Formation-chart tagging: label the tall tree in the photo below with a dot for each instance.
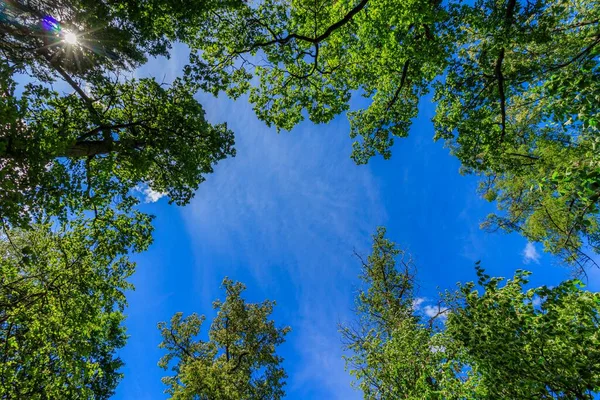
(516, 86)
(61, 303)
(507, 342)
(394, 352)
(110, 134)
(238, 361)
(79, 136)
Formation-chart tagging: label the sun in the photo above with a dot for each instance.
(70, 38)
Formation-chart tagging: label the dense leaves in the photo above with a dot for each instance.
(394, 353)
(519, 105)
(507, 342)
(313, 55)
(238, 360)
(60, 152)
(111, 35)
(539, 343)
(61, 304)
(515, 82)
(73, 152)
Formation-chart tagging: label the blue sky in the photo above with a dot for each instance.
(284, 217)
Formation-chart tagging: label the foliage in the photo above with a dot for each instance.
(61, 304)
(315, 54)
(393, 352)
(519, 105)
(507, 342)
(70, 166)
(238, 360)
(527, 350)
(60, 153)
(515, 82)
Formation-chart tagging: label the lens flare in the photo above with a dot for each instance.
(70, 37)
(50, 24)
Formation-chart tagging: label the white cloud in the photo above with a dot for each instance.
(429, 310)
(433, 311)
(416, 304)
(530, 254)
(152, 196)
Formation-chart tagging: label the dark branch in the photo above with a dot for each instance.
(101, 128)
(315, 40)
(239, 362)
(500, 79)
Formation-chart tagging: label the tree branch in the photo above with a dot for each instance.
(315, 40)
(239, 362)
(500, 79)
(101, 128)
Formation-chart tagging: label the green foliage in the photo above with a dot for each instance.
(113, 35)
(238, 360)
(61, 304)
(505, 343)
(519, 106)
(524, 350)
(313, 55)
(71, 164)
(394, 353)
(62, 160)
(515, 82)
(60, 153)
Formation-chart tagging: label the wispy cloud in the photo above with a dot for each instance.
(289, 210)
(319, 353)
(530, 254)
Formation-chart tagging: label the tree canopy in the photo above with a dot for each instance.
(80, 135)
(238, 361)
(536, 343)
(515, 85)
(507, 342)
(393, 352)
(62, 152)
(61, 306)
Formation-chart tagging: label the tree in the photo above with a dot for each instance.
(519, 106)
(506, 342)
(394, 353)
(60, 153)
(515, 82)
(238, 360)
(525, 350)
(61, 303)
(314, 55)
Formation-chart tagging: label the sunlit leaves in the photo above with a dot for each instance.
(536, 343)
(506, 341)
(61, 303)
(238, 360)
